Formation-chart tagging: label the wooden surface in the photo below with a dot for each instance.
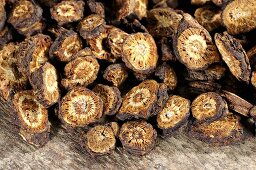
(177, 152)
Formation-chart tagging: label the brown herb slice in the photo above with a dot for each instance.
(96, 7)
(140, 52)
(111, 98)
(68, 11)
(234, 56)
(5, 36)
(166, 50)
(137, 137)
(2, 15)
(80, 107)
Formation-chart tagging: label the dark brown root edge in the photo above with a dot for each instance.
(7, 114)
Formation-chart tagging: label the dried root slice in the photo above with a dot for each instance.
(141, 76)
(253, 79)
(45, 84)
(140, 101)
(5, 36)
(111, 98)
(11, 80)
(80, 107)
(132, 7)
(209, 17)
(2, 15)
(99, 49)
(33, 29)
(218, 2)
(96, 7)
(251, 54)
(137, 137)
(237, 104)
(239, 16)
(163, 22)
(174, 114)
(167, 76)
(81, 71)
(252, 113)
(234, 56)
(140, 52)
(33, 53)
(193, 45)
(116, 74)
(199, 87)
(31, 115)
(68, 11)
(166, 50)
(115, 127)
(24, 14)
(225, 131)
(213, 72)
(199, 2)
(91, 26)
(115, 41)
(208, 107)
(99, 140)
(65, 46)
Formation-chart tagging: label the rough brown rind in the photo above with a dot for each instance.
(137, 137)
(2, 15)
(5, 36)
(234, 56)
(166, 50)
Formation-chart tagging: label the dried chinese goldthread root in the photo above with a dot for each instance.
(163, 22)
(132, 7)
(166, 50)
(140, 52)
(167, 75)
(2, 15)
(239, 16)
(81, 71)
(68, 11)
(96, 7)
(11, 79)
(65, 46)
(99, 140)
(234, 56)
(225, 131)
(32, 118)
(213, 72)
(45, 84)
(237, 104)
(209, 17)
(33, 53)
(193, 45)
(140, 101)
(174, 114)
(115, 41)
(91, 26)
(80, 107)
(137, 137)
(208, 107)
(111, 98)
(116, 74)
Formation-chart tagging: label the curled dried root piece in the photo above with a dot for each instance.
(80, 107)
(167, 75)
(81, 71)
(5, 36)
(174, 114)
(99, 140)
(213, 72)
(237, 103)
(141, 101)
(234, 56)
(239, 16)
(208, 107)
(166, 50)
(32, 118)
(137, 137)
(45, 84)
(193, 45)
(225, 131)
(2, 15)
(115, 41)
(132, 7)
(91, 26)
(163, 22)
(33, 53)
(11, 80)
(209, 17)
(65, 46)
(140, 52)
(116, 74)
(111, 98)
(68, 11)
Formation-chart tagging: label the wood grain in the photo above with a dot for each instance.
(178, 152)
